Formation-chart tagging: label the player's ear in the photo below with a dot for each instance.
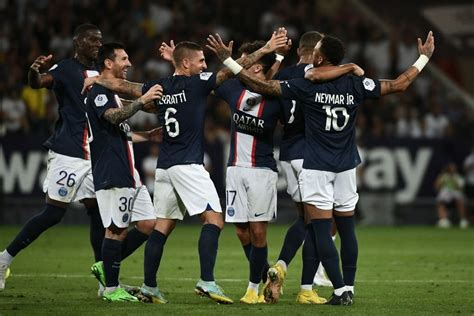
(108, 63)
(258, 68)
(185, 63)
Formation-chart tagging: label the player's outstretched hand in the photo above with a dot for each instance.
(40, 62)
(285, 49)
(88, 82)
(166, 51)
(219, 48)
(156, 135)
(278, 40)
(428, 47)
(155, 92)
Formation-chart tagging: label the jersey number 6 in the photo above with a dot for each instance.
(171, 120)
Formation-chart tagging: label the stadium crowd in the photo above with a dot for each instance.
(424, 111)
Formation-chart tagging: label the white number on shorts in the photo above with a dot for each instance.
(126, 204)
(331, 119)
(171, 120)
(230, 196)
(70, 181)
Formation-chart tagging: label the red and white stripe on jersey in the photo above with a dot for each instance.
(130, 154)
(85, 136)
(245, 145)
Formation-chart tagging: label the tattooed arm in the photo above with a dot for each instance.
(324, 73)
(118, 115)
(406, 78)
(267, 87)
(121, 86)
(149, 107)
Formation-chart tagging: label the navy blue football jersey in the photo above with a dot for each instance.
(254, 118)
(330, 114)
(70, 133)
(181, 112)
(111, 146)
(292, 141)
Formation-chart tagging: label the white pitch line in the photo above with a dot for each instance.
(82, 276)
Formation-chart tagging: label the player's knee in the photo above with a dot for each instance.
(243, 233)
(116, 233)
(258, 235)
(146, 226)
(90, 204)
(213, 218)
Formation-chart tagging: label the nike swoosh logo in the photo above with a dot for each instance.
(258, 214)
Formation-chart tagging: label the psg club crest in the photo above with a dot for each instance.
(125, 217)
(230, 211)
(62, 191)
(251, 102)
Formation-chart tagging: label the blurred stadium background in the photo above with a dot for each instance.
(406, 139)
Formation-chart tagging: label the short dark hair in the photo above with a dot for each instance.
(83, 28)
(309, 39)
(181, 51)
(266, 61)
(332, 49)
(107, 51)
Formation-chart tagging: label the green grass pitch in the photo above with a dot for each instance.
(401, 271)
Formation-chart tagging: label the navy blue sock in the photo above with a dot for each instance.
(327, 251)
(111, 250)
(153, 253)
(96, 232)
(248, 251)
(258, 258)
(50, 216)
(208, 243)
(293, 240)
(134, 240)
(349, 248)
(310, 257)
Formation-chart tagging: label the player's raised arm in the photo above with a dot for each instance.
(280, 53)
(271, 87)
(118, 115)
(277, 40)
(405, 79)
(36, 79)
(325, 73)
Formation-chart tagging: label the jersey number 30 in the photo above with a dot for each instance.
(331, 119)
(171, 120)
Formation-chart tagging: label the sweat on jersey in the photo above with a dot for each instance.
(254, 118)
(113, 162)
(181, 112)
(292, 141)
(70, 132)
(330, 111)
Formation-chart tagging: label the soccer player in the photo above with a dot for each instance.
(328, 184)
(291, 159)
(181, 182)
(121, 196)
(251, 195)
(69, 176)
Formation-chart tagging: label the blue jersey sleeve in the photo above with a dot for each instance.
(295, 89)
(369, 88)
(57, 71)
(147, 85)
(206, 81)
(103, 101)
(226, 89)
